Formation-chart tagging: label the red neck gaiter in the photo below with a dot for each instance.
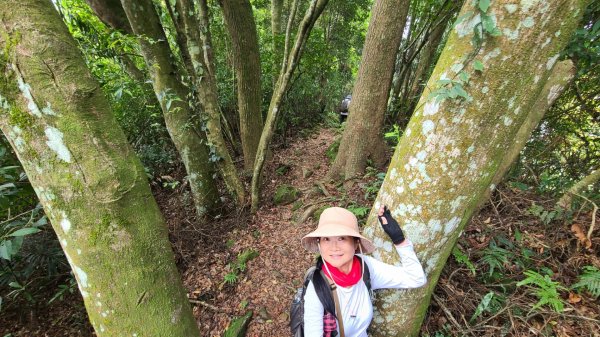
(341, 279)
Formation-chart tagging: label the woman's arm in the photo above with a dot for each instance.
(409, 275)
(313, 313)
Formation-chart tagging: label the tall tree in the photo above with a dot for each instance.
(87, 178)
(290, 61)
(465, 121)
(277, 36)
(239, 20)
(179, 118)
(371, 92)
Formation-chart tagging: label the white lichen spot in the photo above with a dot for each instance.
(511, 34)
(551, 61)
(517, 110)
(536, 79)
(78, 251)
(454, 204)
(387, 246)
(104, 314)
(434, 225)
(492, 54)
(451, 225)
(428, 126)
(485, 90)
(557, 34)
(413, 184)
(48, 109)
(421, 155)
(400, 189)
(26, 91)
(507, 120)
(55, 142)
(65, 224)
(511, 8)
(528, 22)
(63, 242)
(98, 303)
(81, 276)
(407, 132)
(466, 26)
(457, 67)
(492, 187)
(546, 42)
(101, 328)
(553, 94)
(431, 108)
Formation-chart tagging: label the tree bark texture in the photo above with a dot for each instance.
(246, 61)
(313, 12)
(559, 79)
(278, 37)
(207, 93)
(452, 147)
(362, 137)
(189, 140)
(111, 13)
(88, 179)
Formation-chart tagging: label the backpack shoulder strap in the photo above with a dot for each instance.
(336, 299)
(366, 274)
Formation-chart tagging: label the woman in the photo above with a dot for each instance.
(338, 241)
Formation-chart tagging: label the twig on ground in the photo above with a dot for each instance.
(449, 314)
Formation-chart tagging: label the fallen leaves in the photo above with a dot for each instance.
(580, 235)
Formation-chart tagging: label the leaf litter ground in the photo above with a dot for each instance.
(205, 255)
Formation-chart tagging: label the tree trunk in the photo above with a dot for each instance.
(562, 74)
(452, 147)
(371, 92)
(172, 95)
(246, 60)
(312, 14)
(278, 38)
(207, 93)
(88, 179)
(578, 188)
(111, 13)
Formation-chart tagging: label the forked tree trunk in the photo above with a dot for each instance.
(88, 179)
(452, 148)
(313, 12)
(362, 137)
(246, 61)
(184, 129)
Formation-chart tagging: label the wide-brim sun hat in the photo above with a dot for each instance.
(336, 221)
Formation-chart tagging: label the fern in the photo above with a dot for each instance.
(359, 211)
(495, 257)
(461, 257)
(545, 289)
(491, 302)
(590, 280)
(230, 278)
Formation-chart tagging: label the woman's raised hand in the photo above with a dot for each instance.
(390, 225)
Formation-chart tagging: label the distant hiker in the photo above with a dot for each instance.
(337, 299)
(344, 108)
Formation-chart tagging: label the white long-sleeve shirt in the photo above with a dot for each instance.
(355, 302)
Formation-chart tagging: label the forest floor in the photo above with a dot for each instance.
(508, 236)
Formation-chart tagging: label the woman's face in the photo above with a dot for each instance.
(338, 251)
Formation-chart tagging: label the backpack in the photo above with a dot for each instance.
(345, 104)
(297, 306)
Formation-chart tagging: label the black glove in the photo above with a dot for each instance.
(392, 228)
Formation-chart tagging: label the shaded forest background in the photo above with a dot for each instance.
(530, 256)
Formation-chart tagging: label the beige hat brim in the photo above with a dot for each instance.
(309, 241)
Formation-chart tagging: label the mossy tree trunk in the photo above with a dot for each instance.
(88, 179)
(558, 80)
(313, 12)
(362, 136)
(181, 123)
(277, 36)
(580, 187)
(239, 20)
(208, 96)
(452, 147)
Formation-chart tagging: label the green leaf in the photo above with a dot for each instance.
(463, 17)
(444, 82)
(461, 92)
(4, 250)
(25, 231)
(488, 23)
(483, 305)
(484, 5)
(478, 65)
(463, 76)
